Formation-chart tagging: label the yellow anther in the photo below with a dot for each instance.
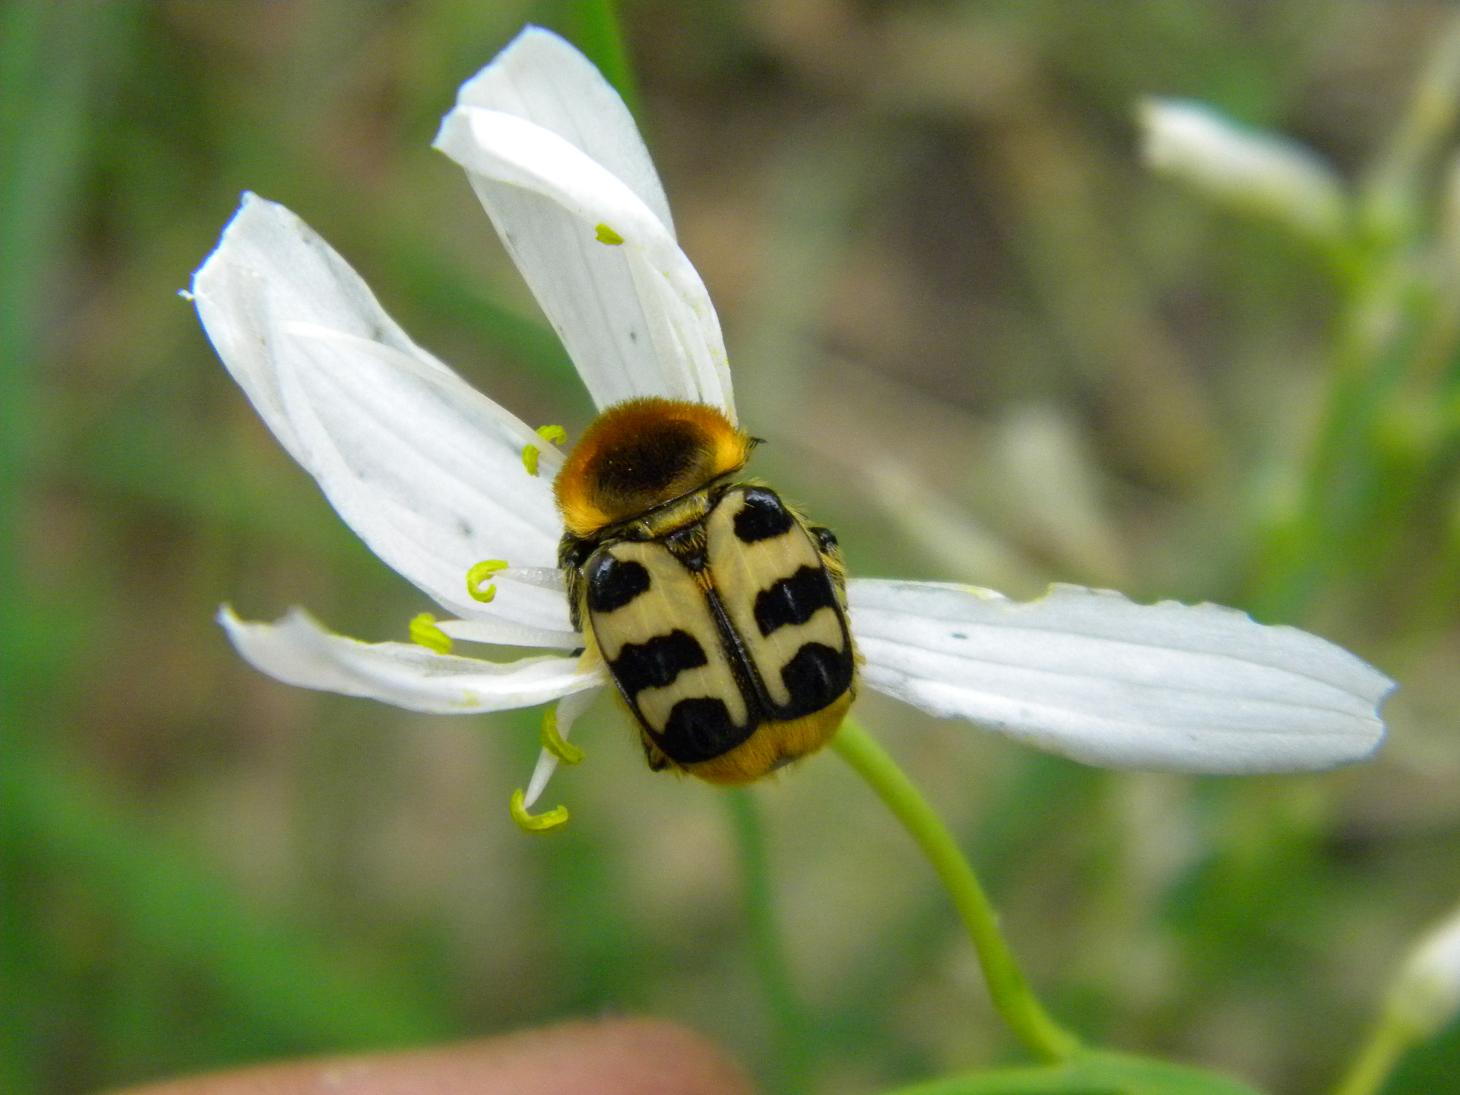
(554, 742)
(555, 818)
(483, 572)
(424, 632)
(553, 435)
(604, 234)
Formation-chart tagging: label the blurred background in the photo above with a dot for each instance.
(984, 343)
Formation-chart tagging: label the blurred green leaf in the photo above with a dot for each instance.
(1090, 1074)
(915, 221)
(272, 976)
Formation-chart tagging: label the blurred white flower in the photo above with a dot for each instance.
(1240, 167)
(1427, 992)
(454, 492)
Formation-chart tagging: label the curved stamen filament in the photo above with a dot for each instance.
(555, 818)
(555, 743)
(480, 573)
(553, 435)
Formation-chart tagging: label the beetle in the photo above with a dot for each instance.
(717, 610)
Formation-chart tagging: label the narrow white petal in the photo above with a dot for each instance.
(424, 468)
(298, 651)
(567, 714)
(633, 314)
(1091, 675)
(420, 468)
(549, 578)
(268, 268)
(544, 79)
(499, 632)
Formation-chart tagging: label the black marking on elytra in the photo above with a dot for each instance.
(650, 461)
(655, 663)
(762, 517)
(613, 583)
(793, 600)
(700, 728)
(815, 677)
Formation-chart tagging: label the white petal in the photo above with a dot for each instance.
(544, 79)
(634, 316)
(549, 578)
(269, 267)
(1090, 675)
(499, 632)
(424, 468)
(298, 651)
(566, 715)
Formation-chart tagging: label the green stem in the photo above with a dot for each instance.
(596, 32)
(791, 1033)
(1377, 1057)
(1393, 183)
(1011, 994)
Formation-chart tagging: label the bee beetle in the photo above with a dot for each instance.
(718, 612)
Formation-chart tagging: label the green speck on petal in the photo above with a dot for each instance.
(604, 234)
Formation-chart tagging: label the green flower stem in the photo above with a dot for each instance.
(1394, 181)
(1041, 1035)
(1393, 337)
(1377, 1057)
(595, 29)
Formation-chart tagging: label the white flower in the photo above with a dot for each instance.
(1243, 167)
(431, 475)
(1426, 995)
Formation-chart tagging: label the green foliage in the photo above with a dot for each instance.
(1090, 1074)
(919, 221)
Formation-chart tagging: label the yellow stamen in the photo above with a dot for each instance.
(553, 435)
(483, 572)
(554, 742)
(604, 234)
(555, 818)
(424, 632)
